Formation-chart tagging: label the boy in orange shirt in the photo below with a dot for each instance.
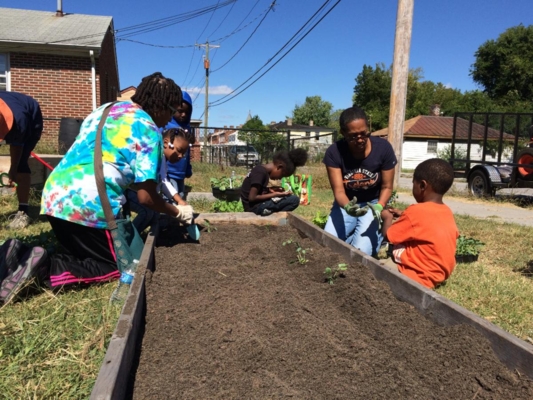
(424, 236)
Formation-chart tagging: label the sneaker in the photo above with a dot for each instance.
(27, 267)
(20, 220)
(10, 252)
(266, 212)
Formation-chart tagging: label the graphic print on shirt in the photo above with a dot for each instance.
(397, 252)
(360, 178)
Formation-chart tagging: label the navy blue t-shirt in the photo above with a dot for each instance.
(361, 177)
(27, 118)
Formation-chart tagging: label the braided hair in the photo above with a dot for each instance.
(156, 93)
(172, 133)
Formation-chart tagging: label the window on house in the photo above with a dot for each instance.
(432, 146)
(3, 71)
(307, 134)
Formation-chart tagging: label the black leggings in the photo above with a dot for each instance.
(92, 255)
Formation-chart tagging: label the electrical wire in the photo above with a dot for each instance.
(247, 40)
(169, 21)
(206, 25)
(224, 19)
(219, 101)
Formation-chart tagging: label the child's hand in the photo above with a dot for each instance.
(182, 202)
(394, 212)
(386, 215)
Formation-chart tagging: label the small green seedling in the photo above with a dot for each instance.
(320, 219)
(209, 226)
(468, 246)
(300, 251)
(333, 273)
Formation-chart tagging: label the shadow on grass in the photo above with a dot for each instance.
(527, 270)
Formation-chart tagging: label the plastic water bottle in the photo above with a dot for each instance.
(232, 179)
(126, 278)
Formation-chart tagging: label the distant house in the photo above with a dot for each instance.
(225, 136)
(309, 134)
(126, 94)
(67, 62)
(425, 136)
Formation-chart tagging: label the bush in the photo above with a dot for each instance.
(446, 154)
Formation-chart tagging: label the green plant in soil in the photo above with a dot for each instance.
(468, 246)
(209, 226)
(333, 273)
(300, 251)
(227, 206)
(225, 182)
(320, 219)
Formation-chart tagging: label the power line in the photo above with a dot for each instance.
(169, 21)
(206, 25)
(224, 19)
(219, 101)
(247, 40)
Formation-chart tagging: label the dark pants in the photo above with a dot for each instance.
(92, 255)
(287, 203)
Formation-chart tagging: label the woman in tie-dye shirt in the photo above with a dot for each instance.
(131, 153)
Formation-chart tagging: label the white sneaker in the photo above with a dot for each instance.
(20, 220)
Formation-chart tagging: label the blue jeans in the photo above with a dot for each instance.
(360, 232)
(145, 216)
(287, 203)
(179, 185)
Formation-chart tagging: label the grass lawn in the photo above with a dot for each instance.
(51, 345)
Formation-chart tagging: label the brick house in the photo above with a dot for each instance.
(67, 62)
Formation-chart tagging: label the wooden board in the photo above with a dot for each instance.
(112, 380)
(512, 351)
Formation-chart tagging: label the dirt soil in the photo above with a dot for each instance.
(235, 318)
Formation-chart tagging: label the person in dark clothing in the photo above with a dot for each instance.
(21, 125)
(258, 198)
(179, 170)
(361, 174)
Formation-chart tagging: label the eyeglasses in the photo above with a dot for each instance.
(174, 111)
(349, 137)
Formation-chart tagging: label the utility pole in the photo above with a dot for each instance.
(400, 73)
(207, 45)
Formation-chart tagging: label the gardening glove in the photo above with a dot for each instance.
(376, 210)
(185, 214)
(354, 209)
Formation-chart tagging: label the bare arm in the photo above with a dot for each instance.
(387, 184)
(335, 180)
(254, 195)
(148, 196)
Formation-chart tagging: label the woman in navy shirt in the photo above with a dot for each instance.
(360, 166)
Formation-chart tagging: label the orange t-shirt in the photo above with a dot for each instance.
(425, 239)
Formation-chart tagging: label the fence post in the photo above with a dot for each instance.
(334, 136)
(288, 140)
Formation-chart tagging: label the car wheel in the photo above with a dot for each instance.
(479, 184)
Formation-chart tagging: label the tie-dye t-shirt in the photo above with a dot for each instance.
(131, 153)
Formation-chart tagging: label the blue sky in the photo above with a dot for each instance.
(446, 34)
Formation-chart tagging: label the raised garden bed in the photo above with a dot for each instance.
(237, 317)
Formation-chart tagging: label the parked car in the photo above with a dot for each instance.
(243, 155)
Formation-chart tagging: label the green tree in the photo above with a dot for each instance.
(265, 141)
(372, 93)
(505, 66)
(314, 109)
(334, 120)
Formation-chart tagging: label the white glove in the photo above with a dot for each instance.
(185, 214)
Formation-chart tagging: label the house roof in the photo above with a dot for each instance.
(284, 126)
(32, 27)
(433, 127)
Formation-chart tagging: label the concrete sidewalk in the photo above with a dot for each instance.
(482, 210)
